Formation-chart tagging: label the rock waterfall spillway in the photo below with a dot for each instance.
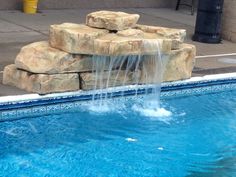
(110, 50)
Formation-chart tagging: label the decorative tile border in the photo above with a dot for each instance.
(12, 108)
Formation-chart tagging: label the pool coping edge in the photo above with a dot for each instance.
(194, 82)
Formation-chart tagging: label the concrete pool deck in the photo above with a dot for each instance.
(18, 29)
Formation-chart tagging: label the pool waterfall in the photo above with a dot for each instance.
(108, 69)
(110, 50)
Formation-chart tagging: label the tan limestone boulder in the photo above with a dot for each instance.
(39, 57)
(40, 83)
(112, 79)
(111, 20)
(78, 39)
(177, 65)
(74, 38)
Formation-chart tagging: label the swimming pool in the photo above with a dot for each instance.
(196, 138)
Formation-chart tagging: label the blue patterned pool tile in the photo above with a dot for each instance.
(77, 104)
(39, 110)
(23, 112)
(54, 108)
(8, 115)
(67, 106)
(197, 91)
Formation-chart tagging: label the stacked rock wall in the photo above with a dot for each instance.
(67, 61)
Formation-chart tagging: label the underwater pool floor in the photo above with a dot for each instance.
(196, 138)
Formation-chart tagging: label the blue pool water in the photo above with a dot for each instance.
(191, 136)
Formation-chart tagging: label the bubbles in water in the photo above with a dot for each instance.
(150, 109)
(101, 107)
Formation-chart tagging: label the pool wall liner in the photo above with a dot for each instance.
(16, 107)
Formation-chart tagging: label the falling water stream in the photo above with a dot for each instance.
(112, 71)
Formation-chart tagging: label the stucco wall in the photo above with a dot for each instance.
(65, 4)
(229, 20)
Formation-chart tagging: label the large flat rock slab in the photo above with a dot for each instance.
(111, 20)
(116, 45)
(40, 83)
(79, 39)
(39, 57)
(74, 38)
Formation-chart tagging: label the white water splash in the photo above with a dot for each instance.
(157, 113)
(98, 108)
(127, 68)
(131, 139)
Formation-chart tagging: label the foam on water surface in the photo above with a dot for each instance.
(152, 113)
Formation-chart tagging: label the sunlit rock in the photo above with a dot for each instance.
(39, 57)
(40, 83)
(111, 20)
(79, 39)
(74, 38)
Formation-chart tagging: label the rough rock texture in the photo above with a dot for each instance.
(116, 78)
(39, 57)
(74, 38)
(176, 35)
(111, 20)
(170, 33)
(79, 39)
(40, 83)
(130, 33)
(178, 65)
(114, 45)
